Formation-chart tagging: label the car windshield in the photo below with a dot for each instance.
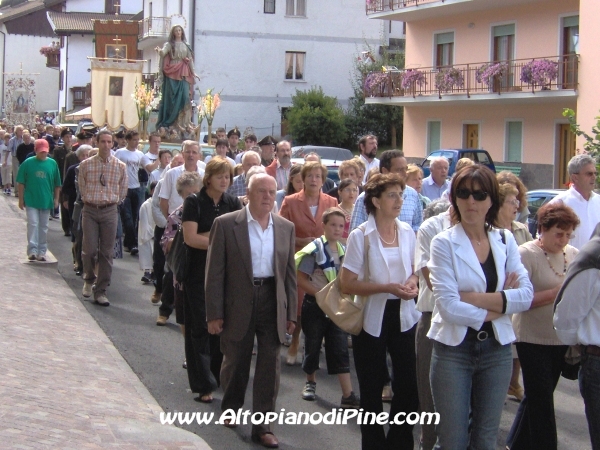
(339, 154)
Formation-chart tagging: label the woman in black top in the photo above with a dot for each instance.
(202, 351)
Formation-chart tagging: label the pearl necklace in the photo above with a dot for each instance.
(548, 259)
(393, 240)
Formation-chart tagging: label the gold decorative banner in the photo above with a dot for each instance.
(19, 98)
(113, 85)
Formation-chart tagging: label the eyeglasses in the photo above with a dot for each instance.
(395, 196)
(516, 203)
(478, 196)
(102, 179)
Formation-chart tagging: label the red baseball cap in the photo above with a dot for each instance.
(41, 145)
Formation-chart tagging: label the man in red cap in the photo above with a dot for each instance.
(39, 188)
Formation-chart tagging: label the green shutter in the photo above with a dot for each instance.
(514, 141)
(444, 38)
(572, 21)
(434, 131)
(504, 30)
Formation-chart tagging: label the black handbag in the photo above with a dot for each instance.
(177, 257)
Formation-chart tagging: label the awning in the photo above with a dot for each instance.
(85, 113)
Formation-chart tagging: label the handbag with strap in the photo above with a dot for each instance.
(345, 310)
(178, 256)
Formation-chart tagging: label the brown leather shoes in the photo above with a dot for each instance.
(266, 440)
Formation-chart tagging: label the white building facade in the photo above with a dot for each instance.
(257, 53)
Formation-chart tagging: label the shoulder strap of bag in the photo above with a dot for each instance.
(366, 247)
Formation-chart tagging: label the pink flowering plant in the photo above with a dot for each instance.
(412, 78)
(539, 72)
(449, 78)
(374, 81)
(489, 72)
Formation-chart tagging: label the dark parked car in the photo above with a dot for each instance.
(535, 200)
(453, 155)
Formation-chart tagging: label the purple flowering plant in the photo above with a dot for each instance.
(412, 78)
(488, 72)
(449, 78)
(539, 72)
(374, 81)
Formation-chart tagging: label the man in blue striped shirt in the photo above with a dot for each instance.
(393, 161)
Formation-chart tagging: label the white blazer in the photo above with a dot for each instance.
(379, 272)
(454, 267)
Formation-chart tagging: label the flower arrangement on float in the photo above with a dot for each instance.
(209, 103)
(146, 98)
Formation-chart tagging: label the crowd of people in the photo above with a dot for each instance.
(458, 296)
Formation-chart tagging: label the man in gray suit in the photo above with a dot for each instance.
(251, 291)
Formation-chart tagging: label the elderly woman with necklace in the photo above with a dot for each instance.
(379, 266)
(541, 353)
(507, 219)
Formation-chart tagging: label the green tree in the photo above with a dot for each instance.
(592, 143)
(384, 121)
(315, 118)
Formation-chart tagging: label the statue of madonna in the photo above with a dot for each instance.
(176, 80)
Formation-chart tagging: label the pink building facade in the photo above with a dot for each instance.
(520, 123)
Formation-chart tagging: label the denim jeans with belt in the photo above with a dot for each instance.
(37, 230)
(473, 375)
(589, 387)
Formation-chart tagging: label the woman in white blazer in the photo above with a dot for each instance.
(478, 280)
(390, 315)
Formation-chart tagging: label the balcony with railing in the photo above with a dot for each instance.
(154, 27)
(408, 10)
(82, 95)
(516, 79)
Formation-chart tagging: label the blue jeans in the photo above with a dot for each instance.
(589, 386)
(37, 230)
(472, 376)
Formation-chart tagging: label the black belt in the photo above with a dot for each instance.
(261, 281)
(106, 205)
(486, 331)
(592, 350)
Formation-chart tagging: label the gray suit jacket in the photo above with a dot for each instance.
(229, 280)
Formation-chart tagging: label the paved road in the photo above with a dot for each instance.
(156, 354)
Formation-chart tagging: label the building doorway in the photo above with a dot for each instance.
(566, 150)
(471, 135)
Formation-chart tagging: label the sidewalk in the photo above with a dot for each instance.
(63, 384)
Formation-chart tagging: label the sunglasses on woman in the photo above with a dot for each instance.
(478, 196)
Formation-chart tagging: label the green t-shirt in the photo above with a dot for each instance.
(40, 179)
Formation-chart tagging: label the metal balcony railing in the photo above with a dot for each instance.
(157, 27)
(377, 6)
(471, 79)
